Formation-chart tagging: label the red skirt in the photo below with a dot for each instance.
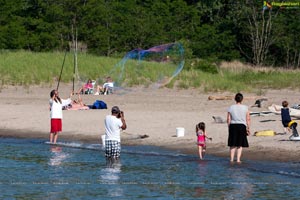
(56, 125)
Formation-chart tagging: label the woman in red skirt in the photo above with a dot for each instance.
(56, 107)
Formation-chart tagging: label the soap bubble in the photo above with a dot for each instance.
(154, 67)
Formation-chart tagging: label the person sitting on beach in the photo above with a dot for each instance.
(86, 88)
(106, 88)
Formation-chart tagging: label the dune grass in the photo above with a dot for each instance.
(236, 77)
(28, 68)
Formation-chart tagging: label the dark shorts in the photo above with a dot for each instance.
(112, 149)
(56, 125)
(237, 136)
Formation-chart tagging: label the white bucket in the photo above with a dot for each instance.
(179, 132)
(103, 141)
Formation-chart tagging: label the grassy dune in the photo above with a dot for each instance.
(27, 68)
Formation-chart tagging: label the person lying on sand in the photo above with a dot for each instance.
(77, 104)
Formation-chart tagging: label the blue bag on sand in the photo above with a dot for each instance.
(99, 105)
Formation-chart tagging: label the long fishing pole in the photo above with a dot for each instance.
(75, 58)
(74, 71)
(62, 67)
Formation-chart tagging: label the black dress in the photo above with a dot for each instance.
(237, 136)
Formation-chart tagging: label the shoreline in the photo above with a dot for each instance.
(218, 150)
(156, 113)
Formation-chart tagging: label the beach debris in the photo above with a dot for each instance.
(267, 120)
(261, 113)
(265, 133)
(220, 97)
(296, 106)
(144, 136)
(231, 97)
(133, 136)
(258, 102)
(218, 119)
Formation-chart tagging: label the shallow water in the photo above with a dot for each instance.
(32, 169)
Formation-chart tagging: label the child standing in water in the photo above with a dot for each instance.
(201, 136)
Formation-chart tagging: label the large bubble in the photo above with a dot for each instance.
(151, 68)
(154, 67)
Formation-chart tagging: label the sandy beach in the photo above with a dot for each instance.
(152, 112)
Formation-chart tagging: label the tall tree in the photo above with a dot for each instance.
(257, 31)
(12, 30)
(286, 49)
(214, 36)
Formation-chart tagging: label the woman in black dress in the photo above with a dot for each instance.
(238, 120)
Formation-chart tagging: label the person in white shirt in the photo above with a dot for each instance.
(106, 88)
(114, 123)
(56, 107)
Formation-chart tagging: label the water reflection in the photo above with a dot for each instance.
(57, 156)
(202, 172)
(110, 175)
(240, 183)
(112, 170)
(202, 168)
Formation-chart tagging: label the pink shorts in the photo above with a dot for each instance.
(201, 141)
(56, 125)
(202, 144)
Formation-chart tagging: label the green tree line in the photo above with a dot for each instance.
(208, 29)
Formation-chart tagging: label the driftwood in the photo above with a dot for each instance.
(220, 97)
(132, 136)
(232, 98)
